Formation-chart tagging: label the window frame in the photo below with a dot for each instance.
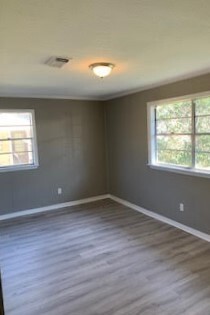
(152, 136)
(22, 167)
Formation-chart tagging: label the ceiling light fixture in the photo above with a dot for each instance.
(102, 69)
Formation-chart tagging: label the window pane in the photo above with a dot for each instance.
(16, 139)
(170, 126)
(202, 143)
(202, 161)
(178, 158)
(202, 106)
(15, 146)
(15, 119)
(16, 159)
(14, 132)
(202, 124)
(177, 109)
(174, 143)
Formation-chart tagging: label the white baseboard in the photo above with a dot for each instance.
(161, 218)
(151, 214)
(52, 207)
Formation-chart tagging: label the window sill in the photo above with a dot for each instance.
(178, 170)
(18, 168)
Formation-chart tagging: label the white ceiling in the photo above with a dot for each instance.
(150, 41)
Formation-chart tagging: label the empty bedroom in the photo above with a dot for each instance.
(104, 157)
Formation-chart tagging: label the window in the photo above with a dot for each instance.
(18, 148)
(179, 134)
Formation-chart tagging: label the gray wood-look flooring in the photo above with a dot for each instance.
(102, 258)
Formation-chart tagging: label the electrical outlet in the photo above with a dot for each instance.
(59, 191)
(181, 207)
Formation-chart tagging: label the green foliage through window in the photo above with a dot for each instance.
(182, 133)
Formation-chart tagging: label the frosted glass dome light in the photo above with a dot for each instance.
(101, 69)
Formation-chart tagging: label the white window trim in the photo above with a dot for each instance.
(151, 138)
(34, 141)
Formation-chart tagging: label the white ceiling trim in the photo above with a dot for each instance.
(107, 98)
(40, 96)
(157, 85)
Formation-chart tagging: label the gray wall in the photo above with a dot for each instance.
(73, 155)
(129, 176)
(71, 147)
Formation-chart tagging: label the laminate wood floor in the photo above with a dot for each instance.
(101, 259)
